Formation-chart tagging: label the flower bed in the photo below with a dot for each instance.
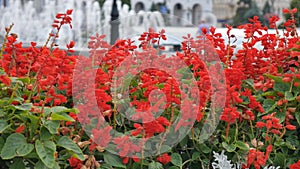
(130, 106)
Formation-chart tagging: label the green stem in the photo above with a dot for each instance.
(5, 39)
(115, 105)
(227, 130)
(251, 126)
(187, 161)
(236, 130)
(13, 93)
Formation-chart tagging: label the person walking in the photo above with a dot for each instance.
(203, 28)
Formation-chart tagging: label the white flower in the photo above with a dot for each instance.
(221, 162)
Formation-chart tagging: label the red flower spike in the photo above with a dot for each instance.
(69, 11)
(33, 44)
(294, 10)
(75, 163)
(260, 124)
(70, 45)
(125, 160)
(164, 158)
(285, 10)
(6, 80)
(290, 127)
(20, 129)
(295, 165)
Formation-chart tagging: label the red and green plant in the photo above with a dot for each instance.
(258, 94)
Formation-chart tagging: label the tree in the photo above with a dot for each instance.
(243, 7)
(126, 2)
(101, 2)
(255, 11)
(247, 9)
(267, 8)
(153, 7)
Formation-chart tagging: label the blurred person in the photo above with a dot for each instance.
(203, 28)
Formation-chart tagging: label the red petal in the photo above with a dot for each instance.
(69, 11)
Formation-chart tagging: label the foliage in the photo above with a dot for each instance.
(101, 2)
(58, 110)
(35, 113)
(247, 9)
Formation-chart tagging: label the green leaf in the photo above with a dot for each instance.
(107, 166)
(17, 164)
(47, 111)
(289, 96)
(173, 167)
(279, 143)
(32, 154)
(113, 160)
(52, 126)
(34, 123)
(24, 150)
(281, 116)
(41, 165)
(195, 155)
(268, 105)
(2, 141)
(293, 139)
(241, 145)
(290, 146)
(165, 148)
(61, 116)
(24, 107)
(280, 160)
(297, 116)
(13, 144)
(45, 134)
(3, 125)
(46, 152)
(68, 144)
(18, 99)
(160, 85)
(2, 113)
(249, 82)
(134, 166)
(58, 109)
(269, 93)
(24, 79)
(176, 159)
(229, 148)
(275, 78)
(204, 148)
(281, 87)
(155, 165)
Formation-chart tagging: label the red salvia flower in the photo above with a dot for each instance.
(4, 79)
(20, 129)
(295, 165)
(75, 163)
(164, 158)
(290, 127)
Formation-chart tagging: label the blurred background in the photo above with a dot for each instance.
(33, 18)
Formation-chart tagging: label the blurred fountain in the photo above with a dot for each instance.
(33, 24)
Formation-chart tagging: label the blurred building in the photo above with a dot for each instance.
(38, 4)
(224, 10)
(190, 12)
(181, 12)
